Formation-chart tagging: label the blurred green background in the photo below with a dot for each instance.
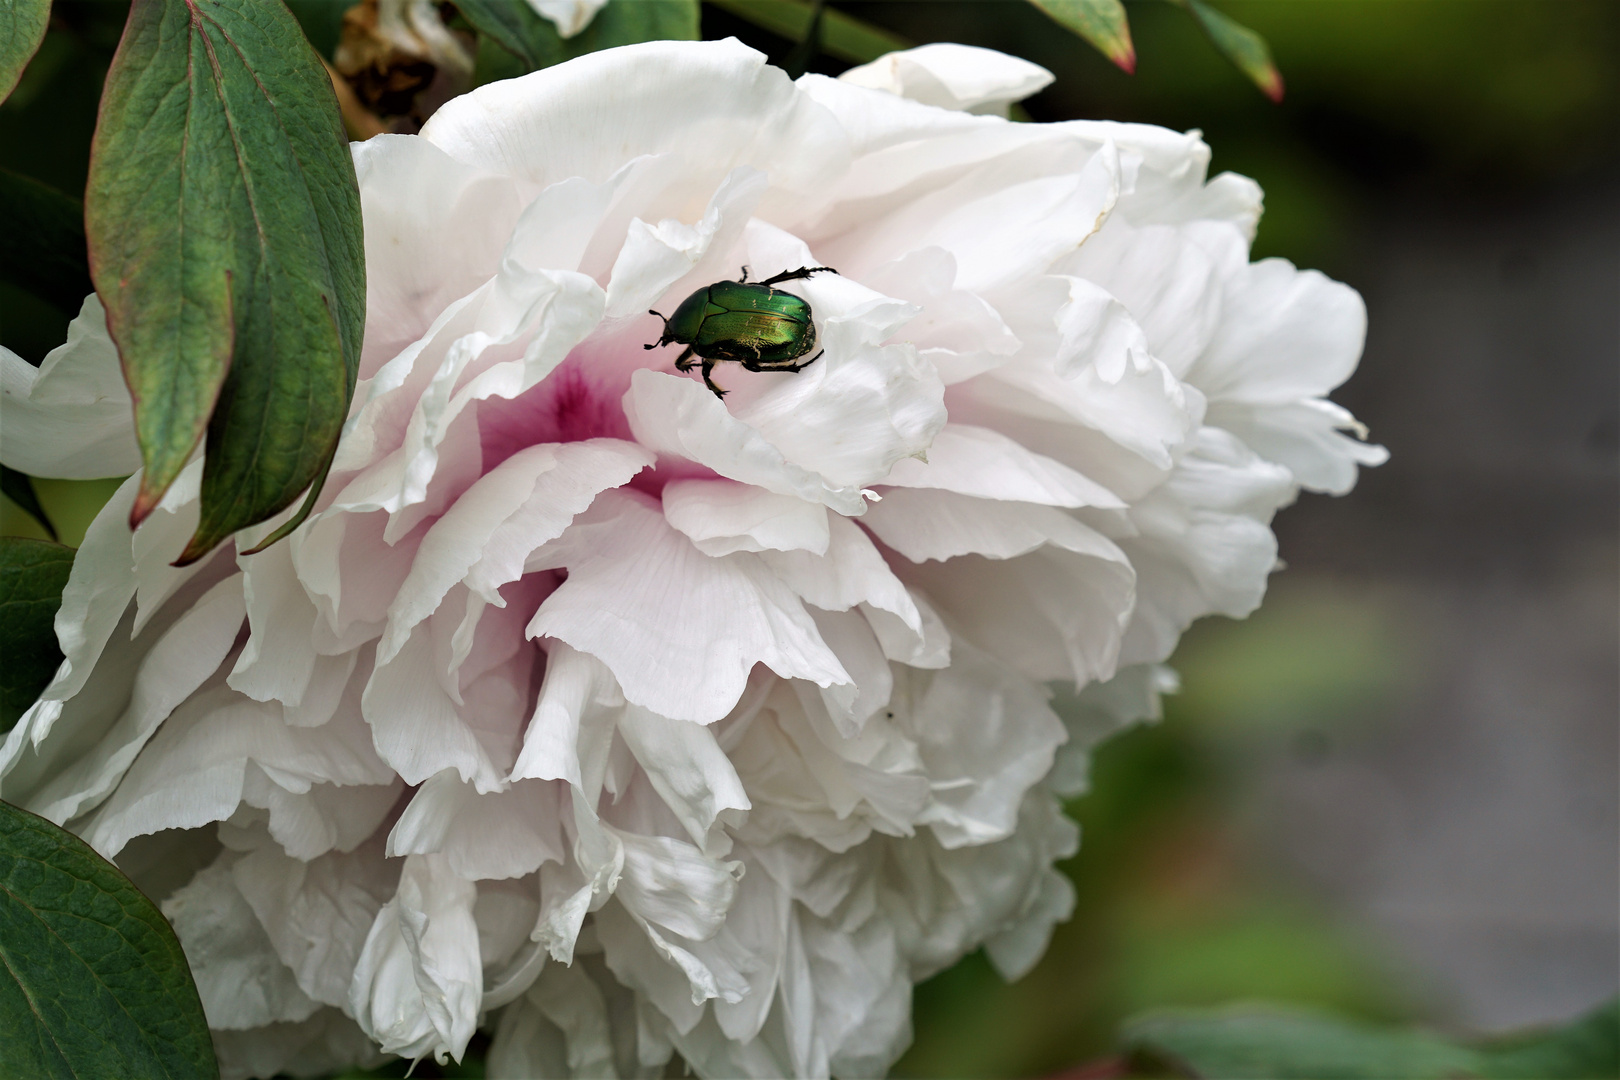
(1392, 792)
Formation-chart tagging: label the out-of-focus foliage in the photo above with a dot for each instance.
(32, 575)
(841, 37)
(42, 248)
(1250, 1043)
(1239, 44)
(536, 42)
(1101, 22)
(22, 28)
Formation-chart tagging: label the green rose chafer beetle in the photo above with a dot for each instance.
(761, 328)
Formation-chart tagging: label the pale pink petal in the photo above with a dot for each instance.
(179, 662)
(1309, 438)
(922, 525)
(680, 630)
(687, 768)
(715, 104)
(986, 464)
(416, 724)
(484, 537)
(678, 416)
(655, 257)
(435, 230)
(195, 769)
(720, 517)
(1285, 334)
(986, 735)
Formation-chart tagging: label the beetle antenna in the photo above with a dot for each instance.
(744, 279)
(665, 334)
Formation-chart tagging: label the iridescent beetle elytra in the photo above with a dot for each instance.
(761, 328)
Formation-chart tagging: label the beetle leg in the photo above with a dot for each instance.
(684, 362)
(785, 365)
(708, 367)
(799, 274)
(744, 279)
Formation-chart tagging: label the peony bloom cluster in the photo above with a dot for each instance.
(623, 720)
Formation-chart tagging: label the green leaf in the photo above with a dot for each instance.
(32, 576)
(1585, 1050)
(92, 980)
(42, 246)
(1247, 1043)
(842, 36)
(19, 489)
(535, 40)
(1262, 1043)
(1101, 22)
(22, 28)
(224, 226)
(1239, 44)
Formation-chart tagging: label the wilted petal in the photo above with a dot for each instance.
(241, 981)
(318, 911)
(418, 981)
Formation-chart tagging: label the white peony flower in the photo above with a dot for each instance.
(624, 720)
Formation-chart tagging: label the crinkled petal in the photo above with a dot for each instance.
(317, 911)
(418, 982)
(241, 981)
(519, 505)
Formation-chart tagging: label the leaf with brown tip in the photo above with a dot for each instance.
(1101, 22)
(224, 228)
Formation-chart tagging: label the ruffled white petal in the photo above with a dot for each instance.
(241, 981)
(721, 517)
(953, 76)
(504, 834)
(679, 630)
(418, 982)
(72, 416)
